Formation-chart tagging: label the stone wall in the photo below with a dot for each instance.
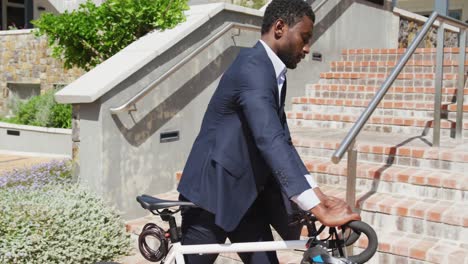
(409, 28)
(26, 60)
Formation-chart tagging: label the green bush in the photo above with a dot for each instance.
(56, 221)
(91, 34)
(42, 111)
(58, 224)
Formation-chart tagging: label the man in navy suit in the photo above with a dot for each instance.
(243, 170)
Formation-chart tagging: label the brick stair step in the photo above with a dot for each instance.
(376, 75)
(385, 104)
(398, 51)
(381, 111)
(395, 54)
(404, 247)
(379, 79)
(412, 66)
(419, 109)
(385, 124)
(374, 89)
(356, 65)
(351, 92)
(444, 219)
(387, 120)
(413, 182)
(390, 149)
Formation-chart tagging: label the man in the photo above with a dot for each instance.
(243, 162)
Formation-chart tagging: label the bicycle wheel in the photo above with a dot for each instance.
(359, 228)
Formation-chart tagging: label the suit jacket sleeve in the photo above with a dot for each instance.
(258, 105)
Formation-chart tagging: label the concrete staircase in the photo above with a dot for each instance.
(414, 195)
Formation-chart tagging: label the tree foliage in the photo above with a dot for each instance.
(91, 34)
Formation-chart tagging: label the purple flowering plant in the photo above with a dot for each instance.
(38, 176)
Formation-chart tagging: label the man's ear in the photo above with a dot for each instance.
(279, 27)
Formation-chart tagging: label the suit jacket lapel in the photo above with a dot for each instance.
(283, 94)
(267, 61)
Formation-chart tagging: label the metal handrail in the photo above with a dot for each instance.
(130, 104)
(357, 127)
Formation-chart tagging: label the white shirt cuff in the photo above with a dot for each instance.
(311, 181)
(306, 200)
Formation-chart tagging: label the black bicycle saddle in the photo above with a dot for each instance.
(152, 203)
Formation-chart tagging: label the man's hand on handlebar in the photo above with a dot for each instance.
(333, 211)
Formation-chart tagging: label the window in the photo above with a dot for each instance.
(15, 14)
(457, 14)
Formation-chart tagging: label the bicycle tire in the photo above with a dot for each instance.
(359, 228)
(352, 238)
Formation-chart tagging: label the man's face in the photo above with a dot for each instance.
(295, 42)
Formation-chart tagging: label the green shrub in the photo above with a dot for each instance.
(91, 34)
(42, 111)
(58, 224)
(46, 219)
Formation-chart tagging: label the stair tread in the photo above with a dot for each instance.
(425, 248)
(371, 141)
(374, 119)
(375, 88)
(385, 104)
(453, 213)
(381, 75)
(391, 63)
(401, 174)
(397, 51)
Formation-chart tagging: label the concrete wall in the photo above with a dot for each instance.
(25, 59)
(31, 139)
(62, 5)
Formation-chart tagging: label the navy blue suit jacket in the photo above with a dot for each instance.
(243, 142)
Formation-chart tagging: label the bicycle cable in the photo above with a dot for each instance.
(154, 231)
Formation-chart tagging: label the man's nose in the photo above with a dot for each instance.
(306, 49)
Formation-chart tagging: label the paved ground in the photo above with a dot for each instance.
(14, 160)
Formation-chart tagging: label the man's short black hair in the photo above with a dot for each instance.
(291, 11)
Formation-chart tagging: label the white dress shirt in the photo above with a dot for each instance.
(308, 199)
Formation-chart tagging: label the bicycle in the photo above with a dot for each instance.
(331, 249)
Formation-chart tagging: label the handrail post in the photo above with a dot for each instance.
(460, 85)
(439, 76)
(441, 7)
(351, 176)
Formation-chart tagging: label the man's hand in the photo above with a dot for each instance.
(333, 202)
(332, 211)
(336, 215)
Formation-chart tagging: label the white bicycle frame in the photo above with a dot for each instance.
(177, 250)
